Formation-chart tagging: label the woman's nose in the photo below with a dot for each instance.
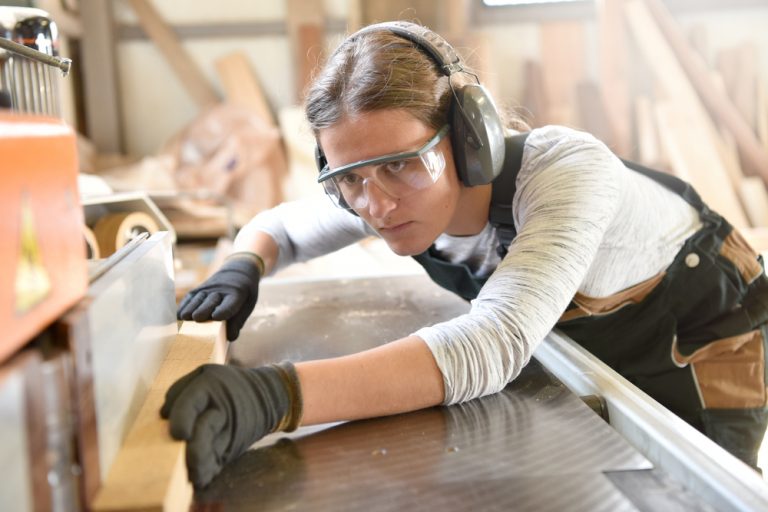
(380, 203)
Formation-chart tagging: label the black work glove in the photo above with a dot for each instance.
(221, 410)
(230, 294)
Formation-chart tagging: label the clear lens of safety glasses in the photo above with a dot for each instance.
(398, 175)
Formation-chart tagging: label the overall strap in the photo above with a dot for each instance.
(504, 186)
(680, 187)
(500, 215)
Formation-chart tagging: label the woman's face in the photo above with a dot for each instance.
(408, 224)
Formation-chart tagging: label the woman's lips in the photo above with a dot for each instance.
(397, 228)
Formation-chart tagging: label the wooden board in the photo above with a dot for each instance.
(149, 473)
(306, 29)
(698, 163)
(241, 86)
(166, 40)
(647, 135)
(738, 67)
(563, 62)
(535, 99)
(690, 140)
(755, 199)
(614, 82)
(594, 116)
(762, 112)
(721, 107)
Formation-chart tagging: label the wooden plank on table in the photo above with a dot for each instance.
(241, 86)
(166, 40)
(721, 107)
(149, 472)
(690, 140)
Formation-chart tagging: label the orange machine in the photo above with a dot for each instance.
(42, 253)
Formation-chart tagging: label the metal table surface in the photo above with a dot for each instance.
(533, 446)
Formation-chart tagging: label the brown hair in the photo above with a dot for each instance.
(376, 71)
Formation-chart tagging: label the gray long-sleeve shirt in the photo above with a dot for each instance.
(585, 224)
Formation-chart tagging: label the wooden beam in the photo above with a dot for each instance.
(690, 139)
(563, 57)
(719, 105)
(306, 29)
(241, 86)
(535, 99)
(103, 115)
(762, 111)
(593, 114)
(647, 135)
(698, 162)
(614, 83)
(738, 68)
(190, 76)
(149, 473)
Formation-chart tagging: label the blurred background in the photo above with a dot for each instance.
(198, 104)
(138, 136)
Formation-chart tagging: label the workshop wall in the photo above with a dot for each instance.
(154, 103)
(155, 106)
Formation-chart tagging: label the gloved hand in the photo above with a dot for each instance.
(230, 294)
(221, 410)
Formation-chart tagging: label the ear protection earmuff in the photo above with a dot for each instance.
(477, 131)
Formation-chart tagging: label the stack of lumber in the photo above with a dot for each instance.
(659, 101)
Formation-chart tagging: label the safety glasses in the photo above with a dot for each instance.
(398, 175)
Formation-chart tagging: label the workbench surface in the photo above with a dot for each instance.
(534, 446)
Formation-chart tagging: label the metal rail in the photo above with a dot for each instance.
(666, 440)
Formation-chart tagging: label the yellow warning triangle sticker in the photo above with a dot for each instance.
(32, 281)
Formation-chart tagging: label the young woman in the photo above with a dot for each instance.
(541, 231)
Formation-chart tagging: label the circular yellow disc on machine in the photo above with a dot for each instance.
(114, 230)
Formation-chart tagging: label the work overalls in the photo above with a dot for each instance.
(693, 337)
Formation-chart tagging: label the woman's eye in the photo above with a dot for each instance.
(396, 166)
(349, 179)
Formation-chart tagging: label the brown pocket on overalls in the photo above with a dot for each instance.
(584, 305)
(729, 373)
(737, 250)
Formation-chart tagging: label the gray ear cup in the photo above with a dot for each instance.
(477, 131)
(477, 136)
